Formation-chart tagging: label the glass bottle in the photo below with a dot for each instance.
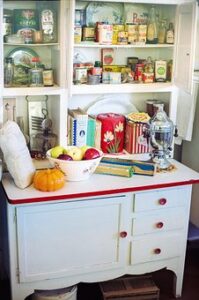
(8, 72)
(48, 21)
(152, 27)
(36, 73)
(162, 32)
(170, 34)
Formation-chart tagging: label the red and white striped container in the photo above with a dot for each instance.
(135, 142)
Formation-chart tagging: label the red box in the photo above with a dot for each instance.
(135, 142)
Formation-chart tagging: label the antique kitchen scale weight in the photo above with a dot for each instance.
(40, 127)
(160, 132)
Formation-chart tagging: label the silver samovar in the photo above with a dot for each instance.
(160, 133)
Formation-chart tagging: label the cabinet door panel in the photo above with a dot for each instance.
(71, 238)
(154, 248)
(186, 40)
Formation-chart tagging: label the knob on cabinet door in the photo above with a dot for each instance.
(159, 225)
(162, 201)
(123, 234)
(157, 250)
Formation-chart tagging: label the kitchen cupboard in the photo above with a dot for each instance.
(183, 15)
(61, 55)
(91, 233)
(52, 55)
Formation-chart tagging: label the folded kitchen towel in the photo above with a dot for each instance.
(16, 155)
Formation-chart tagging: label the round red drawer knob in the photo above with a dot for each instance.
(123, 234)
(159, 224)
(162, 201)
(157, 251)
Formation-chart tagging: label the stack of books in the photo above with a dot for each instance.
(83, 129)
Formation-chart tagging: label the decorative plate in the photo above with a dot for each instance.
(110, 105)
(104, 12)
(22, 57)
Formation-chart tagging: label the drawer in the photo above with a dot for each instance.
(169, 219)
(153, 248)
(160, 199)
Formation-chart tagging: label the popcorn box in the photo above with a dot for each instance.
(135, 142)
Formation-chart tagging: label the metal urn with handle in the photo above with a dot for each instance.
(160, 132)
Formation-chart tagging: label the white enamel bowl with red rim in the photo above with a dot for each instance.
(75, 170)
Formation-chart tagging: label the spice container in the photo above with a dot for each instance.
(8, 72)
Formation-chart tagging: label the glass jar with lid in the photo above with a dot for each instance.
(8, 72)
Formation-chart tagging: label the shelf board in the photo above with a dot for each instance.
(30, 45)
(23, 91)
(122, 88)
(97, 45)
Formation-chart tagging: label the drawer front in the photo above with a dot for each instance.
(153, 248)
(160, 199)
(169, 219)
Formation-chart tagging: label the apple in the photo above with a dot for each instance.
(75, 152)
(65, 157)
(56, 151)
(84, 148)
(91, 153)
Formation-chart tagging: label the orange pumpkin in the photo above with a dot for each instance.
(48, 180)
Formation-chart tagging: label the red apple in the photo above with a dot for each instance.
(91, 153)
(65, 157)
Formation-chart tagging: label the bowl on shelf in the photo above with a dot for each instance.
(75, 170)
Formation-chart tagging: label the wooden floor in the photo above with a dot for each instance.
(162, 278)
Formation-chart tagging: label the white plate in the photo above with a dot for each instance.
(104, 12)
(111, 105)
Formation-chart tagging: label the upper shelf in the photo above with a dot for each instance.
(97, 45)
(31, 45)
(23, 91)
(121, 88)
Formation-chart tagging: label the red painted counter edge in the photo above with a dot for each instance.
(101, 192)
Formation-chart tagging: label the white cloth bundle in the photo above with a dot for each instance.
(17, 157)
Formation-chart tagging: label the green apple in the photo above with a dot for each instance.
(75, 152)
(56, 151)
(84, 148)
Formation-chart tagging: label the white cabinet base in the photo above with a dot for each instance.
(59, 244)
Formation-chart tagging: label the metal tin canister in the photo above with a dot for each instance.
(25, 21)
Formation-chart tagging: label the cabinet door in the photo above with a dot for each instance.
(186, 36)
(66, 239)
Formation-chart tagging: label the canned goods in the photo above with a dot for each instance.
(122, 38)
(80, 75)
(77, 34)
(105, 34)
(48, 77)
(139, 72)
